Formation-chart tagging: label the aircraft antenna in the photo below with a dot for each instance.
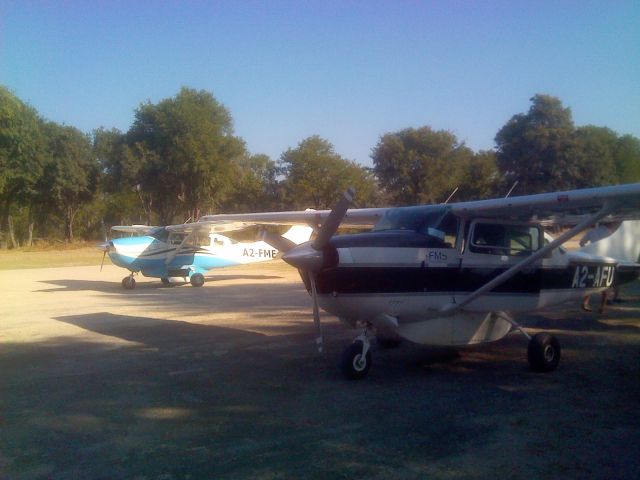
(452, 194)
(511, 189)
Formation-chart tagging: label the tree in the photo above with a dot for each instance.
(627, 159)
(70, 173)
(419, 165)
(538, 148)
(255, 185)
(123, 200)
(21, 158)
(595, 155)
(186, 149)
(477, 177)
(315, 176)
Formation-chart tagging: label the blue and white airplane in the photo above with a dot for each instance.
(187, 252)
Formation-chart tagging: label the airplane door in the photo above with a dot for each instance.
(492, 247)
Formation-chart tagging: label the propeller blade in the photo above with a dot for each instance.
(316, 313)
(102, 263)
(277, 241)
(331, 224)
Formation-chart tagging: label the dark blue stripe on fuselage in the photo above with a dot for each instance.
(372, 280)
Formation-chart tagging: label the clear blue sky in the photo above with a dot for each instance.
(348, 71)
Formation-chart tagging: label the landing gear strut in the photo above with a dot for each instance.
(543, 351)
(356, 358)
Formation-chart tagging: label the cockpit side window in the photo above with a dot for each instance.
(503, 239)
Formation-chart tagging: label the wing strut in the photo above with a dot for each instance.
(503, 277)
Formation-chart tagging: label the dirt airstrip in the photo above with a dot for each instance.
(223, 382)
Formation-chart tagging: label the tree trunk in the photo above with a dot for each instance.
(11, 232)
(29, 241)
(68, 221)
(30, 233)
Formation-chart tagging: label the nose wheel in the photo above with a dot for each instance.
(356, 358)
(129, 283)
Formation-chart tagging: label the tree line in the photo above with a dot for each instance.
(181, 159)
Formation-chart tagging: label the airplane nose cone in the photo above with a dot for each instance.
(307, 258)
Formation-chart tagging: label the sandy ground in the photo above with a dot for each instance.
(224, 382)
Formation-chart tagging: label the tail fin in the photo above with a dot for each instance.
(298, 234)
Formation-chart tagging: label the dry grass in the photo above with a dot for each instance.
(70, 255)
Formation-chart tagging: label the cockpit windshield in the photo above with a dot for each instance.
(159, 233)
(435, 222)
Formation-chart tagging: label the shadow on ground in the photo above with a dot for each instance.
(184, 400)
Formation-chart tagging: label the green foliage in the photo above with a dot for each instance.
(21, 159)
(538, 148)
(595, 154)
(627, 159)
(315, 176)
(185, 150)
(420, 165)
(70, 174)
(255, 186)
(180, 158)
(477, 177)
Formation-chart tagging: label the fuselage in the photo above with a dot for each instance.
(403, 276)
(156, 257)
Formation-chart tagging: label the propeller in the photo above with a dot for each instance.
(312, 257)
(105, 248)
(279, 242)
(331, 224)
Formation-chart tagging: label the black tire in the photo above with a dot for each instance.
(165, 281)
(197, 280)
(543, 352)
(352, 365)
(128, 283)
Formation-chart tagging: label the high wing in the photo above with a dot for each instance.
(213, 226)
(134, 229)
(358, 217)
(569, 207)
(561, 208)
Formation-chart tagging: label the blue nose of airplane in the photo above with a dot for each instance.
(124, 252)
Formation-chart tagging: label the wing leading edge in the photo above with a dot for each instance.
(566, 207)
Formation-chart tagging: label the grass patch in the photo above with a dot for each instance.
(72, 255)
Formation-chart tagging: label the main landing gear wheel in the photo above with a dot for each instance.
(197, 279)
(353, 364)
(128, 283)
(543, 352)
(165, 281)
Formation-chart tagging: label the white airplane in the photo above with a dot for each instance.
(450, 274)
(188, 251)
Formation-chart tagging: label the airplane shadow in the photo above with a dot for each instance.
(575, 319)
(73, 285)
(160, 333)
